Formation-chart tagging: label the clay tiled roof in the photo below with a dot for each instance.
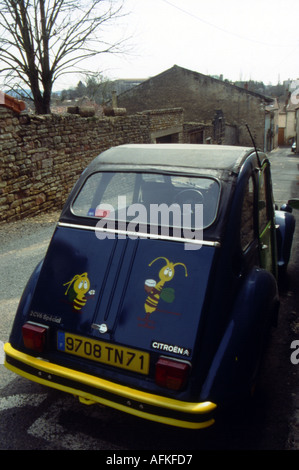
(11, 103)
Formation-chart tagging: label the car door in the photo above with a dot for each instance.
(266, 223)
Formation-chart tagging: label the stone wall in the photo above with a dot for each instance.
(41, 157)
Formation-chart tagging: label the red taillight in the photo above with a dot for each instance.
(171, 374)
(34, 336)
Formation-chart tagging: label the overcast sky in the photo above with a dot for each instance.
(256, 39)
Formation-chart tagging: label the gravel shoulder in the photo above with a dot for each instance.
(22, 245)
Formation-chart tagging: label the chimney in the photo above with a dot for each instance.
(114, 99)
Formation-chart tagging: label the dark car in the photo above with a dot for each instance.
(159, 285)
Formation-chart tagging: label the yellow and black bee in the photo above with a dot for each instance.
(157, 290)
(77, 289)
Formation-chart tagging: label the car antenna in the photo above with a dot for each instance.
(253, 142)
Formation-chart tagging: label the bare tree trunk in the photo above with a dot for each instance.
(45, 62)
(42, 103)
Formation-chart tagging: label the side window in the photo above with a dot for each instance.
(247, 216)
(266, 226)
(263, 202)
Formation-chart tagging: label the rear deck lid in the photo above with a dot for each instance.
(140, 293)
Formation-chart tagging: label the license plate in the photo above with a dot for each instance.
(105, 353)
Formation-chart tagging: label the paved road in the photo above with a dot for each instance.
(35, 417)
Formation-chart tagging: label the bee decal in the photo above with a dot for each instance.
(157, 291)
(77, 289)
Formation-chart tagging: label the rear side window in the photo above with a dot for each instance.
(265, 199)
(247, 216)
(121, 195)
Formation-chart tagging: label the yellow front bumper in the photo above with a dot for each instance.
(94, 389)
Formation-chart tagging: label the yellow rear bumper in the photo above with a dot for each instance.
(91, 389)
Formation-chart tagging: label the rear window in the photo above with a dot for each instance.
(157, 199)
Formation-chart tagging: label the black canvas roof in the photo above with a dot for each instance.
(172, 157)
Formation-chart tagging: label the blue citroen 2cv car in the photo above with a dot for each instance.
(159, 284)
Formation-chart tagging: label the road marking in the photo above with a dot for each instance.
(1, 353)
(47, 427)
(20, 400)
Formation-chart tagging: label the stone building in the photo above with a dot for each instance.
(271, 126)
(204, 99)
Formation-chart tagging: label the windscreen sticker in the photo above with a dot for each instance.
(78, 291)
(156, 292)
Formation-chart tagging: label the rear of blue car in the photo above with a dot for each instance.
(114, 317)
(140, 303)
